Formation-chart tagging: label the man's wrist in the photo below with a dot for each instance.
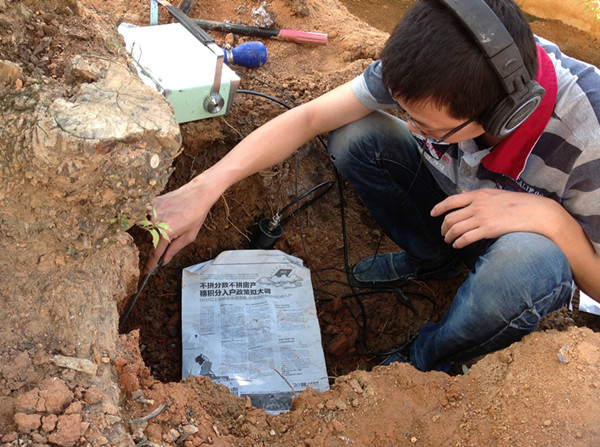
(207, 186)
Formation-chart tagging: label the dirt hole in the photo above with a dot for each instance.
(314, 235)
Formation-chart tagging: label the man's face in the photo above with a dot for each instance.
(428, 120)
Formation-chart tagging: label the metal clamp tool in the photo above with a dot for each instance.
(214, 102)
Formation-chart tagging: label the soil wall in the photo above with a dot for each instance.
(581, 14)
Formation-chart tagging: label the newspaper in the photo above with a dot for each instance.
(588, 304)
(249, 322)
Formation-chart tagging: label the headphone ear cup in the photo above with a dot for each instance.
(513, 110)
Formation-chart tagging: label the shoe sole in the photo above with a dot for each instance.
(383, 285)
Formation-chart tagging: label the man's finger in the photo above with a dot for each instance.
(155, 255)
(173, 249)
(451, 203)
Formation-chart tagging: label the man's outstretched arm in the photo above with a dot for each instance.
(186, 208)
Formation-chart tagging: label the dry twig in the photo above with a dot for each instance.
(286, 381)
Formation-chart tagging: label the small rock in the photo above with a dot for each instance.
(49, 422)
(337, 426)
(68, 430)
(340, 405)
(355, 386)
(190, 429)
(172, 435)
(9, 437)
(92, 395)
(38, 438)
(154, 432)
(57, 395)
(68, 350)
(9, 73)
(28, 402)
(41, 358)
(76, 363)
(155, 161)
(109, 408)
(74, 407)
(27, 422)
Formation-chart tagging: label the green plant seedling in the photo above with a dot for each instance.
(156, 229)
(123, 220)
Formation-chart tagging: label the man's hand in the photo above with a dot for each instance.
(491, 213)
(185, 211)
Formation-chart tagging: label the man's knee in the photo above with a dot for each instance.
(367, 137)
(528, 267)
(352, 136)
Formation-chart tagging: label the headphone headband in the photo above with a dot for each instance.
(492, 37)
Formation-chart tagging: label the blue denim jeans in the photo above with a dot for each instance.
(513, 281)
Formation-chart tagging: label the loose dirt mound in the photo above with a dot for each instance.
(68, 266)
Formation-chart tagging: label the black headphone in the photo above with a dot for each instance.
(524, 95)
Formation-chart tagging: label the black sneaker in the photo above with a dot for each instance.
(395, 357)
(390, 270)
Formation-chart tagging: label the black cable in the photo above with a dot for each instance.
(299, 209)
(264, 95)
(399, 293)
(244, 75)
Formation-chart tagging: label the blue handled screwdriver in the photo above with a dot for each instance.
(248, 54)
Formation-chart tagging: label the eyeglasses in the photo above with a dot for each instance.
(406, 117)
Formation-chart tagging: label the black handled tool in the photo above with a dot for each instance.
(132, 302)
(289, 35)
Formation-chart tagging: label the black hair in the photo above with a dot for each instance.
(431, 56)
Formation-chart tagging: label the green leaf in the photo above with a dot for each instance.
(155, 237)
(164, 226)
(164, 234)
(145, 223)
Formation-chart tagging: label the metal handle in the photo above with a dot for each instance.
(214, 102)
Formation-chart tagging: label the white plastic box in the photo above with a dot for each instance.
(171, 60)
